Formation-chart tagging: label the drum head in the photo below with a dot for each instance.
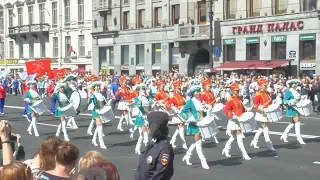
(245, 101)
(272, 107)
(75, 99)
(205, 121)
(246, 116)
(218, 107)
(37, 103)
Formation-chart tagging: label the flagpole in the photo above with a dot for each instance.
(60, 32)
(5, 34)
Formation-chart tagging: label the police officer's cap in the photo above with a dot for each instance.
(158, 117)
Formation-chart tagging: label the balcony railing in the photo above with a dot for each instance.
(193, 31)
(104, 5)
(28, 29)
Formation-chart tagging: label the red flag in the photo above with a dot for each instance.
(71, 50)
(57, 73)
(39, 66)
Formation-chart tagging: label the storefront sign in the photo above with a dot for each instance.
(229, 41)
(307, 37)
(307, 65)
(253, 40)
(9, 61)
(278, 39)
(124, 68)
(270, 27)
(292, 54)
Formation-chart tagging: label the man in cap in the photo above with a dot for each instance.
(156, 162)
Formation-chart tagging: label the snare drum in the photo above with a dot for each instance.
(217, 112)
(106, 113)
(273, 112)
(304, 107)
(68, 110)
(122, 106)
(39, 107)
(247, 122)
(208, 127)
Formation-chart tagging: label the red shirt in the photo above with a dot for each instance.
(261, 98)
(50, 90)
(3, 93)
(208, 97)
(234, 106)
(177, 100)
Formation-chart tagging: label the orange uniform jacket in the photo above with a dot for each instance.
(261, 98)
(208, 97)
(177, 100)
(133, 94)
(234, 106)
(124, 93)
(161, 95)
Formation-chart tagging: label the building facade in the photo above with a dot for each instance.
(271, 30)
(138, 35)
(46, 29)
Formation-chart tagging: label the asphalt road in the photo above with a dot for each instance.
(291, 161)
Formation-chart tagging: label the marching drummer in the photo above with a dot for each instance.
(62, 99)
(133, 93)
(234, 109)
(208, 98)
(31, 97)
(99, 102)
(124, 93)
(194, 106)
(291, 98)
(176, 102)
(261, 101)
(161, 96)
(140, 122)
(71, 81)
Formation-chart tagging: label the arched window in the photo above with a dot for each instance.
(253, 8)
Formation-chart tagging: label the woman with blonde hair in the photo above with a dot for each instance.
(15, 171)
(89, 159)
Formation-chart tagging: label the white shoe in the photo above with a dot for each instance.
(184, 146)
(103, 146)
(66, 139)
(270, 146)
(131, 136)
(137, 151)
(284, 138)
(131, 130)
(94, 142)
(254, 144)
(203, 140)
(30, 133)
(172, 144)
(215, 139)
(89, 133)
(119, 129)
(300, 140)
(187, 160)
(226, 153)
(204, 165)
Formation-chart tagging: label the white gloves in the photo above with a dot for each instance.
(260, 107)
(235, 117)
(292, 102)
(175, 109)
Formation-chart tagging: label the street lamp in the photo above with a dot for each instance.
(211, 32)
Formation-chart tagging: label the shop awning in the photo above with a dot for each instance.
(262, 64)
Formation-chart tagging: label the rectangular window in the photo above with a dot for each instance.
(42, 13)
(31, 49)
(1, 22)
(105, 23)
(140, 54)
(54, 13)
(67, 11)
(309, 5)
(141, 18)
(231, 9)
(308, 50)
(68, 45)
(202, 13)
(125, 2)
(55, 50)
(157, 16)
(82, 48)
(43, 48)
(2, 50)
(280, 6)
(10, 12)
(11, 47)
(229, 52)
(30, 13)
(124, 55)
(126, 20)
(278, 47)
(111, 55)
(21, 49)
(20, 16)
(156, 53)
(175, 14)
(253, 51)
(81, 10)
(253, 8)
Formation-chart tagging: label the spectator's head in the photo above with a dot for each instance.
(109, 168)
(47, 152)
(67, 155)
(89, 159)
(14, 171)
(91, 174)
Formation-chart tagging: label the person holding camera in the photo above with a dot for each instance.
(6, 150)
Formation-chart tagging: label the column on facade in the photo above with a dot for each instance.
(117, 59)
(165, 57)
(148, 59)
(132, 59)
(148, 13)
(133, 14)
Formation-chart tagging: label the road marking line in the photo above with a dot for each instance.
(316, 162)
(287, 123)
(294, 135)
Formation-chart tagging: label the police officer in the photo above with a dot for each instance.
(156, 162)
